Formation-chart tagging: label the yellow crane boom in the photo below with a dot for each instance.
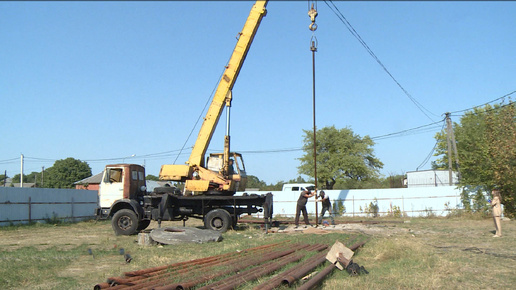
(197, 177)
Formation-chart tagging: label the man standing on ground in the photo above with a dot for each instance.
(301, 205)
(326, 206)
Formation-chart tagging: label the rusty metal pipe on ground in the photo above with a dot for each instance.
(134, 277)
(253, 274)
(299, 271)
(317, 278)
(232, 268)
(172, 272)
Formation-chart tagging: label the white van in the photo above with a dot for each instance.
(296, 186)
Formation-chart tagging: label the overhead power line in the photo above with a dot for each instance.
(472, 108)
(352, 30)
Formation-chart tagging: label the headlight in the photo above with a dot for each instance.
(143, 188)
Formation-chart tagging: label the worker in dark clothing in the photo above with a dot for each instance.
(301, 205)
(326, 206)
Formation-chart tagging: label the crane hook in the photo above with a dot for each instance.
(312, 13)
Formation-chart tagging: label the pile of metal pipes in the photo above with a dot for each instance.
(226, 271)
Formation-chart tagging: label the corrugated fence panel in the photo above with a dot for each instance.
(412, 202)
(23, 205)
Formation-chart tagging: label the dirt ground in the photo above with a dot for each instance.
(466, 248)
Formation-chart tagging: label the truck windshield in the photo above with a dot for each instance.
(114, 175)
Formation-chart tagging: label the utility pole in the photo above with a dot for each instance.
(42, 171)
(21, 171)
(450, 137)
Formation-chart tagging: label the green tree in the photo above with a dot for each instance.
(152, 177)
(254, 182)
(2, 178)
(33, 177)
(341, 156)
(501, 138)
(486, 145)
(65, 172)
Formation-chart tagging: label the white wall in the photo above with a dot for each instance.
(413, 202)
(21, 205)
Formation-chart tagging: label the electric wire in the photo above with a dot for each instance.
(483, 105)
(425, 161)
(352, 30)
(416, 130)
(162, 155)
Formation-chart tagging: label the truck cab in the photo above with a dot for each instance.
(121, 182)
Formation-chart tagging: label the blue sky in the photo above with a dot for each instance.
(102, 81)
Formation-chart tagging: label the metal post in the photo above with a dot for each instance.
(30, 210)
(73, 220)
(21, 171)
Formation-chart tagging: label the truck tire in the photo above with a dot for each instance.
(218, 220)
(143, 224)
(125, 222)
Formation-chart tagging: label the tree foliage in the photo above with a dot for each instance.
(65, 172)
(486, 145)
(151, 177)
(341, 156)
(33, 177)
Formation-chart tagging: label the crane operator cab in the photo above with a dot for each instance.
(235, 170)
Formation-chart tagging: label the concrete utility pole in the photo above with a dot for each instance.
(450, 137)
(21, 171)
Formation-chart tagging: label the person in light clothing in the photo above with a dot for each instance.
(497, 212)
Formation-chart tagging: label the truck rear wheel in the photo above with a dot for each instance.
(124, 222)
(218, 220)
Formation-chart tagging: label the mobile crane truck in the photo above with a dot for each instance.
(209, 186)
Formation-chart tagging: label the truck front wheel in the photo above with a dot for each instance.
(124, 222)
(218, 220)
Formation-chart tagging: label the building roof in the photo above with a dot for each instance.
(95, 179)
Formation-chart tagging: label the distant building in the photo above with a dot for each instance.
(9, 183)
(93, 183)
(431, 178)
(90, 183)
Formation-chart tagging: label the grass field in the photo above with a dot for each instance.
(421, 253)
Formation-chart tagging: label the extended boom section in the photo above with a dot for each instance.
(216, 176)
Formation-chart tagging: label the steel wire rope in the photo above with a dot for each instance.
(373, 55)
(201, 114)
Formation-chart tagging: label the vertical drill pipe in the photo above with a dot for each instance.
(314, 49)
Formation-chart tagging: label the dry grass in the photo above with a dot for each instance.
(424, 253)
